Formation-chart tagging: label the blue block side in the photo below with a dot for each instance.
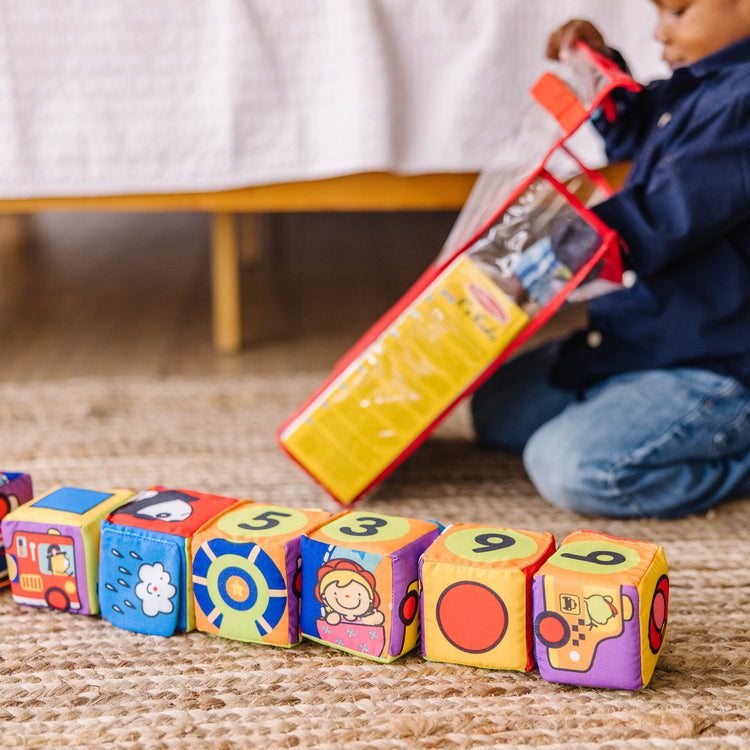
(72, 500)
(141, 579)
(311, 609)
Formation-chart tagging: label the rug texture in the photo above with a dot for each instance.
(74, 681)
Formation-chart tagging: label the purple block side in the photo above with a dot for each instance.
(18, 485)
(16, 491)
(291, 559)
(422, 650)
(37, 535)
(616, 662)
(406, 575)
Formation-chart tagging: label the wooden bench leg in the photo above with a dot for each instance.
(225, 284)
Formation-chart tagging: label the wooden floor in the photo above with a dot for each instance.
(109, 294)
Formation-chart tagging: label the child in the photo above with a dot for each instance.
(647, 411)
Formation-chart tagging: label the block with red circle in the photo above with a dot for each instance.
(600, 611)
(145, 571)
(360, 590)
(246, 572)
(15, 490)
(476, 595)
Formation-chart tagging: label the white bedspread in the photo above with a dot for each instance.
(123, 96)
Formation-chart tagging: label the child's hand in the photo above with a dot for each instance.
(564, 39)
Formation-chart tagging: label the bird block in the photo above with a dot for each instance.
(600, 611)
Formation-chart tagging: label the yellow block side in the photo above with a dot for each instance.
(646, 593)
(475, 616)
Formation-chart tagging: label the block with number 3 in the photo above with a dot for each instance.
(246, 568)
(600, 611)
(360, 591)
(476, 595)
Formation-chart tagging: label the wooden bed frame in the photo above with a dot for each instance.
(377, 191)
(374, 191)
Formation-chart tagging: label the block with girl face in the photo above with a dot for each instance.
(360, 591)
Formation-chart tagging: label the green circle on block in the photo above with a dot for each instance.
(261, 520)
(596, 556)
(488, 544)
(243, 606)
(367, 527)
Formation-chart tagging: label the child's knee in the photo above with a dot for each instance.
(552, 467)
(571, 477)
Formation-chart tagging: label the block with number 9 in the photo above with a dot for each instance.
(476, 595)
(600, 611)
(246, 567)
(360, 591)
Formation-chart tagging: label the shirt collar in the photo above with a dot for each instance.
(739, 52)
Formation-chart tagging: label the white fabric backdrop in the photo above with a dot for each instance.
(179, 95)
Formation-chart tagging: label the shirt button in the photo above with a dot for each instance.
(663, 121)
(629, 278)
(594, 339)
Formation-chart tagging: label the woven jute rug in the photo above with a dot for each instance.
(75, 681)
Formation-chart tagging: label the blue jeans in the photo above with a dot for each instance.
(656, 443)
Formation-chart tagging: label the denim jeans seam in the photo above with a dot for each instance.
(623, 497)
(732, 428)
(638, 455)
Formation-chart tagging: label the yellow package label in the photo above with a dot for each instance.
(392, 392)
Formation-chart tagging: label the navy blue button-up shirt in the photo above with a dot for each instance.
(684, 216)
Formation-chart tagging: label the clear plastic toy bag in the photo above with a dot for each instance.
(518, 251)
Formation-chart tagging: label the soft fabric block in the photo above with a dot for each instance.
(476, 595)
(53, 547)
(600, 611)
(145, 581)
(15, 489)
(246, 568)
(360, 591)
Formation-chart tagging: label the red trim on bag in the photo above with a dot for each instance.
(608, 251)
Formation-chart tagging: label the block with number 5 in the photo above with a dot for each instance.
(246, 569)
(360, 591)
(600, 611)
(476, 595)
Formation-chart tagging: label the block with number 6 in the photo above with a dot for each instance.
(360, 591)
(600, 611)
(476, 595)
(246, 568)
